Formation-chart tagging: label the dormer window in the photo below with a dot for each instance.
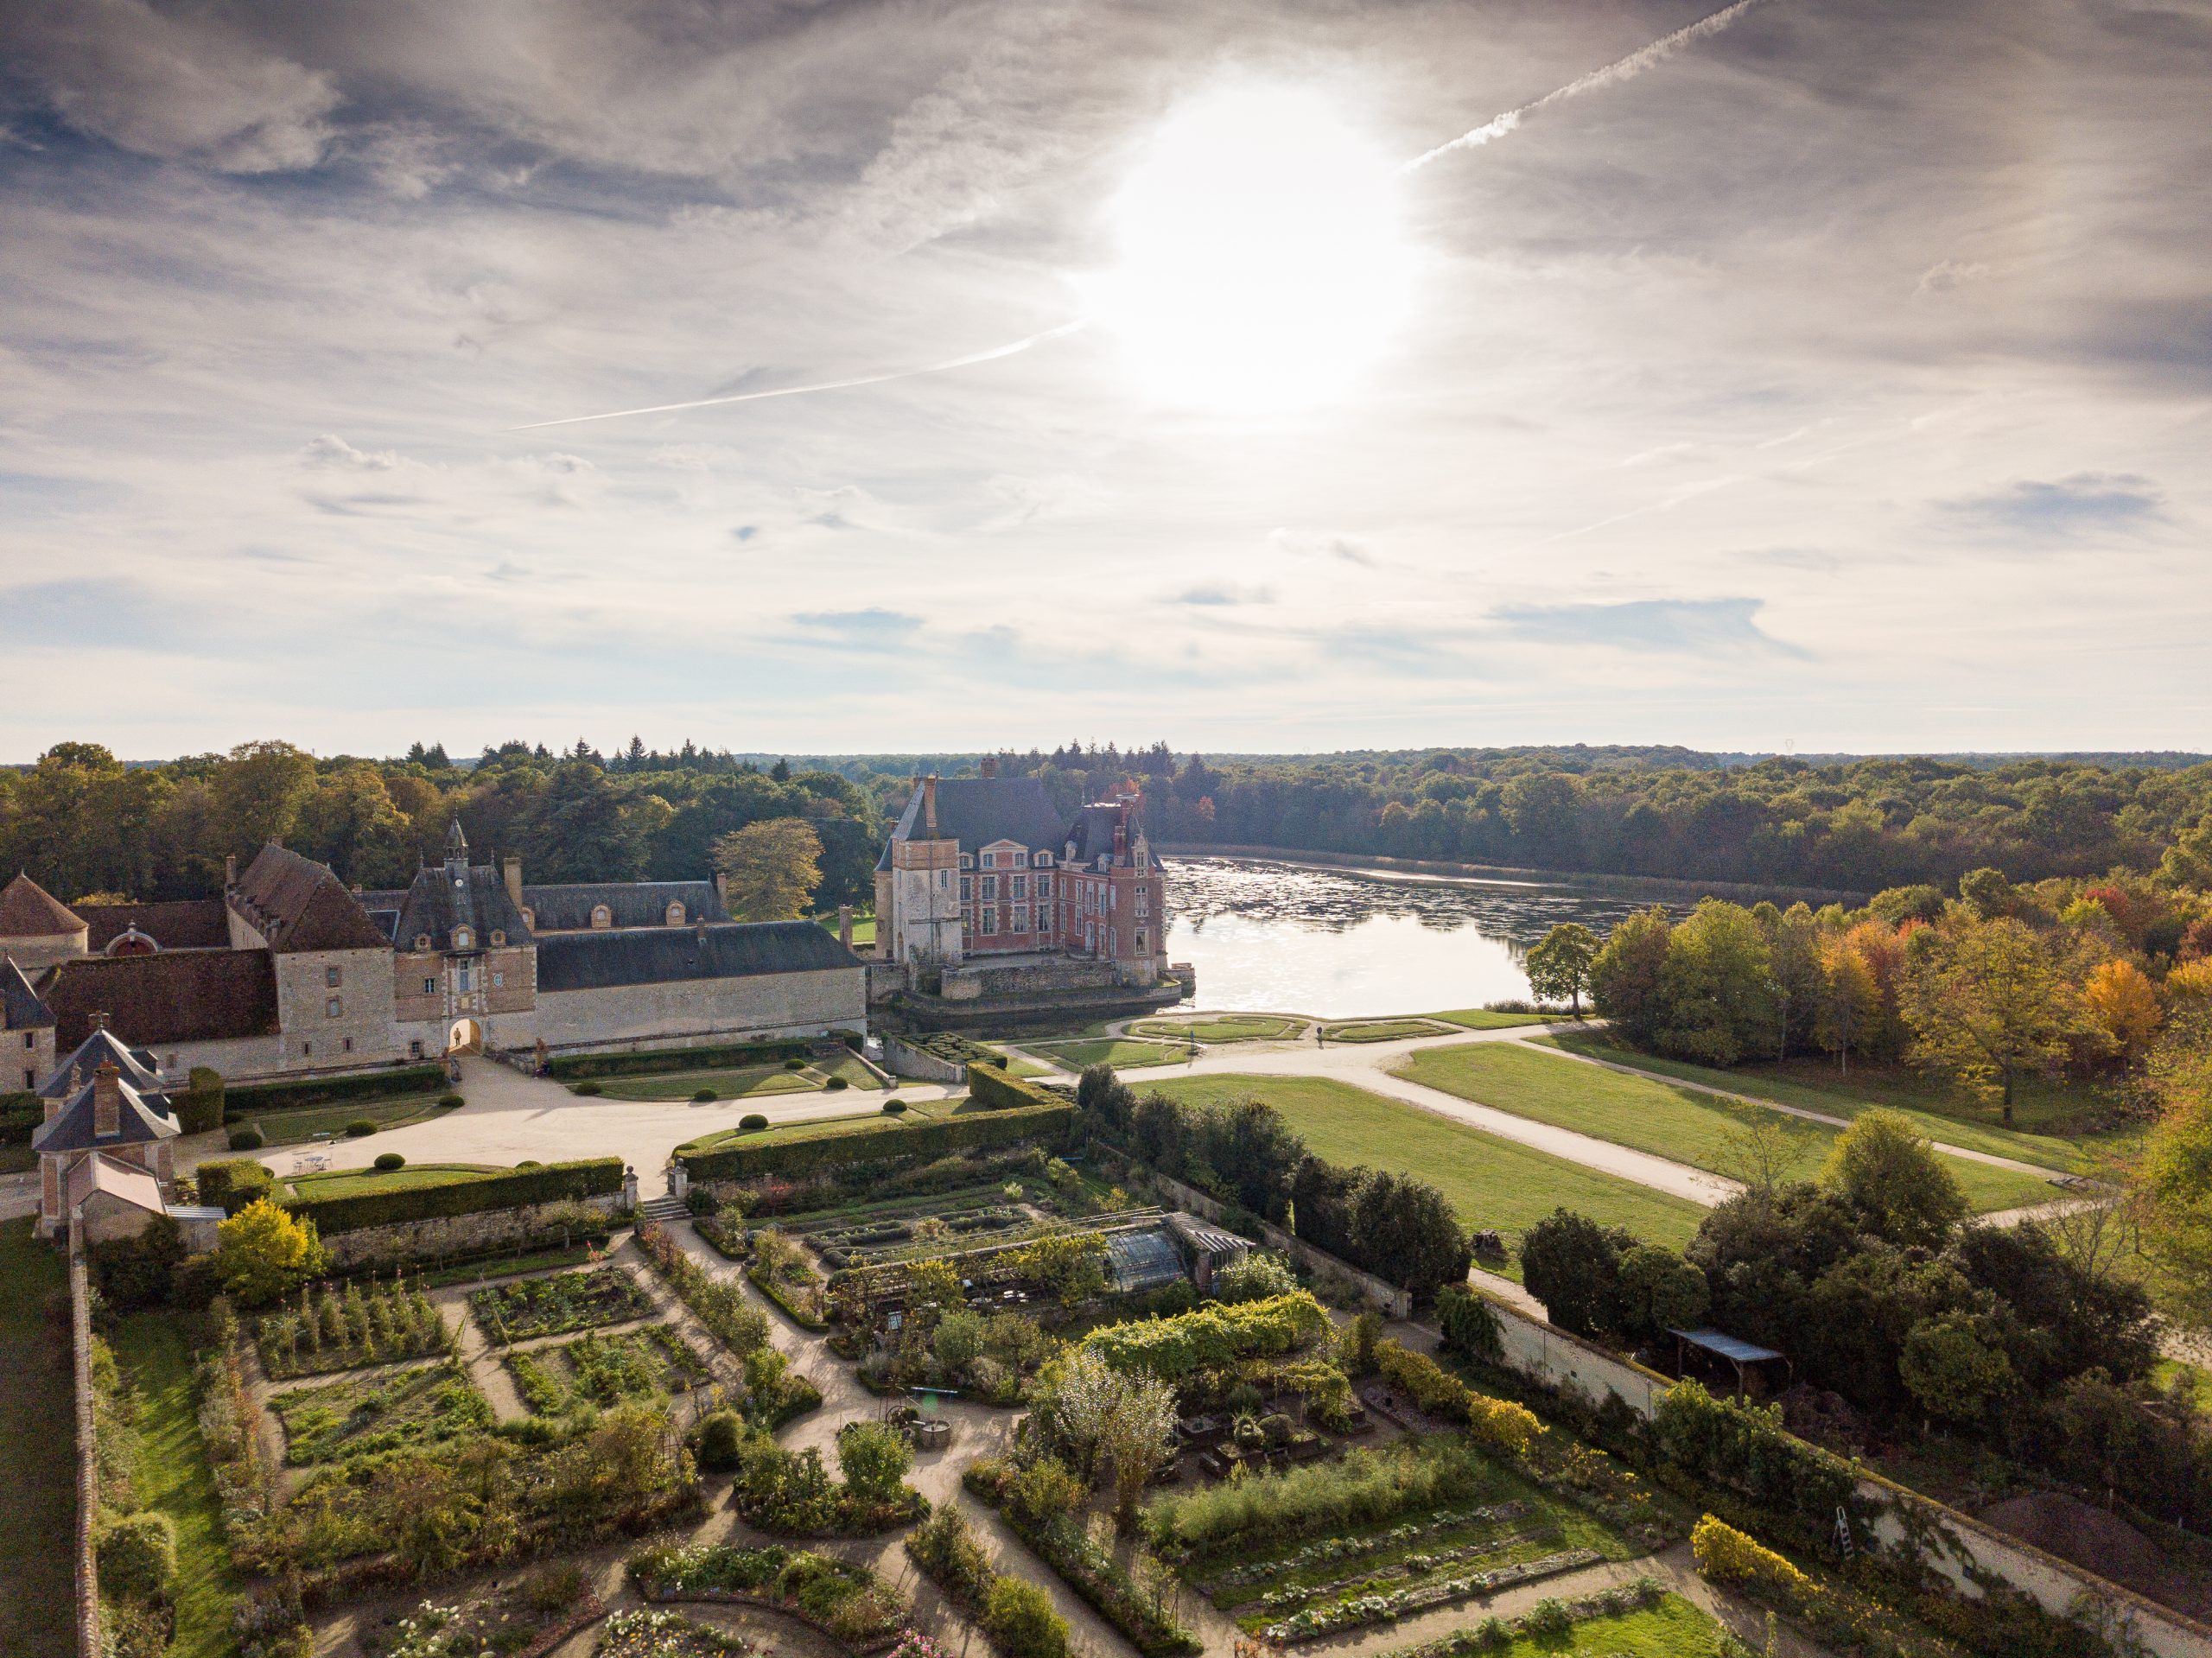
(1043, 861)
(676, 915)
(990, 861)
(422, 940)
(601, 916)
(498, 938)
(966, 861)
(463, 938)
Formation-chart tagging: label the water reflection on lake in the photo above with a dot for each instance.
(1342, 943)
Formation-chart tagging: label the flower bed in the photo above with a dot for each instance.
(646, 1364)
(1363, 1610)
(364, 1416)
(848, 1603)
(1417, 1565)
(1326, 1551)
(727, 1234)
(649, 1634)
(529, 1307)
(800, 1301)
(526, 1617)
(342, 1330)
(733, 1320)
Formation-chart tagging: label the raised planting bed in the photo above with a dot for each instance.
(848, 1603)
(529, 1307)
(651, 1364)
(648, 1632)
(532, 1614)
(364, 1415)
(335, 1328)
(1122, 1052)
(1359, 1610)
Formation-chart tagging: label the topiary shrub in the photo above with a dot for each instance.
(998, 1059)
(753, 1120)
(359, 1128)
(835, 1083)
(200, 1107)
(246, 1138)
(794, 1064)
(703, 1096)
(893, 1107)
(1019, 1617)
(137, 1556)
(720, 1438)
(391, 1160)
(232, 1183)
(447, 1101)
(587, 1090)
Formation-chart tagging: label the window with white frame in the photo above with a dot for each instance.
(990, 886)
(990, 861)
(1021, 861)
(429, 987)
(1044, 888)
(1043, 861)
(990, 918)
(967, 860)
(966, 882)
(1018, 887)
(1020, 918)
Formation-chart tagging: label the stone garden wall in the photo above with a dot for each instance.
(1386, 1298)
(89, 1644)
(448, 1236)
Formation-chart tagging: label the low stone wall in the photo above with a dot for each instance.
(1957, 1544)
(905, 1059)
(1387, 1299)
(446, 1235)
(89, 1644)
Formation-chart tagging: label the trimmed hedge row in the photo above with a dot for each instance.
(579, 1065)
(243, 1102)
(871, 1139)
(1212, 1338)
(591, 1177)
(20, 1113)
(989, 1086)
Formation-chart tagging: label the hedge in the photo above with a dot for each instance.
(20, 1113)
(867, 1140)
(232, 1182)
(580, 1065)
(551, 1183)
(1212, 1338)
(200, 1107)
(994, 1088)
(1743, 1446)
(245, 1102)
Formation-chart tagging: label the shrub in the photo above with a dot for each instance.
(1019, 1617)
(721, 1436)
(1254, 1276)
(264, 1252)
(875, 1456)
(945, 1548)
(200, 1107)
(1727, 1555)
(586, 1090)
(232, 1183)
(591, 1177)
(361, 1129)
(1364, 1488)
(448, 1101)
(703, 1097)
(999, 1091)
(1471, 1325)
(834, 1084)
(894, 1108)
(804, 1151)
(794, 1064)
(1548, 1620)
(246, 1138)
(1727, 1442)
(137, 1556)
(391, 1160)
(752, 1121)
(1212, 1337)
(1501, 1424)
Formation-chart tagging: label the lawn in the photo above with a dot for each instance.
(37, 1453)
(173, 1476)
(328, 1122)
(351, 1183)
(1119, 1052)
(1813, 1085)
(916, 1111)
(1223, 1027)
(1484, 1019)
(1684, 1124)
(1383, 1030)
(1673, 1628)
(743, 1082)
(363, 1415)
(1491, 1182)
(1016, 1067)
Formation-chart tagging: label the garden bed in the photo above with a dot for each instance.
(848, 1603)
(649, 1364)
(346, 1330)
(1385, 1030)
(523, 1616)
(364, 1415)
(529, 1307)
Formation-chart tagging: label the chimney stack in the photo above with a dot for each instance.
(722, 888)
(845, 925)
(990, 765)
(928, 803)
(230, 870)
(513, 865)
(107, 1102)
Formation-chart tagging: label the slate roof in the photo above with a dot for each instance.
(186, 923)
(631, 904)
(976, 811)
(101, 1048)
(70, 1129)
(188, 995)
(28, 911)
(600, 961)
(19, 1007)
(298, 904)
(435, 905)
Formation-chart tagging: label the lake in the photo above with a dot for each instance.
(1295, 938)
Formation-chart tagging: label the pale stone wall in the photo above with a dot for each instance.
(904, 1059)
(36, 954)
(1385, 1297)
(31, 1059)
(762, 1005)
(454, 1234)
(238, 1059)
(361, 1031)
(89, 1644)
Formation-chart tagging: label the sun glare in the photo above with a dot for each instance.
(1260, 264)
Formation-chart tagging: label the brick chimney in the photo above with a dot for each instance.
(845, 925)
(512, 864)
(722, 888)
(230, 870)
(990, 765)
(929, 802)
(107, 1101)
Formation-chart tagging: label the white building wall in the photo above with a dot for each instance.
(763, 1005)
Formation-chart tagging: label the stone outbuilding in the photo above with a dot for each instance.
(108, 1132)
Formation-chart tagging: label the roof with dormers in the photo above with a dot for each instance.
(977, 811)
(298, 904)
(28, 911)
(441, 902)
(629, 904)
(101, 1048)
(73, 1128)
(600, 960)
(184, 923)
(19, 1007)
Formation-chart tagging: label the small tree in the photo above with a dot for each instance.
(876, 1458)
(1954, 1372)
(264, 1252)
(1559, 963)
(958, 1340)
(1019, 1617)
(1988, 1004)
(1895, 1181)
(1660, 1291)
(1572, 1266)
(773, 869)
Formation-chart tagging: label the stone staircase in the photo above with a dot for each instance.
(664, 1209)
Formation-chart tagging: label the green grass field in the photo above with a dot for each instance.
(916, 1111)
(1015, 1067)
(328, 1122)
(1482, 1019)
(747, 1081)
(1122, 1052)
(38, 1454)
(1491, 1182)
(1813, 1086)
(1684, 1124)
(351, 1183)
(1382, 1030)
(1224, 1027)
(173, 1476)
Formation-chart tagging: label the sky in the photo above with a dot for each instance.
(1842, 381)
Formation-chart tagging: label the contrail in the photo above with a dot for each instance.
(969, 361)
(1629, 67)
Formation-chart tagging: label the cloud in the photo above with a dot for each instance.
(1341, 547)
(874, 623)
(2083, 502)
(1225, 592)
(330, 451)
(1948, 273)
(1672, 625)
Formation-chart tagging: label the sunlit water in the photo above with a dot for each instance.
(1342, 942)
